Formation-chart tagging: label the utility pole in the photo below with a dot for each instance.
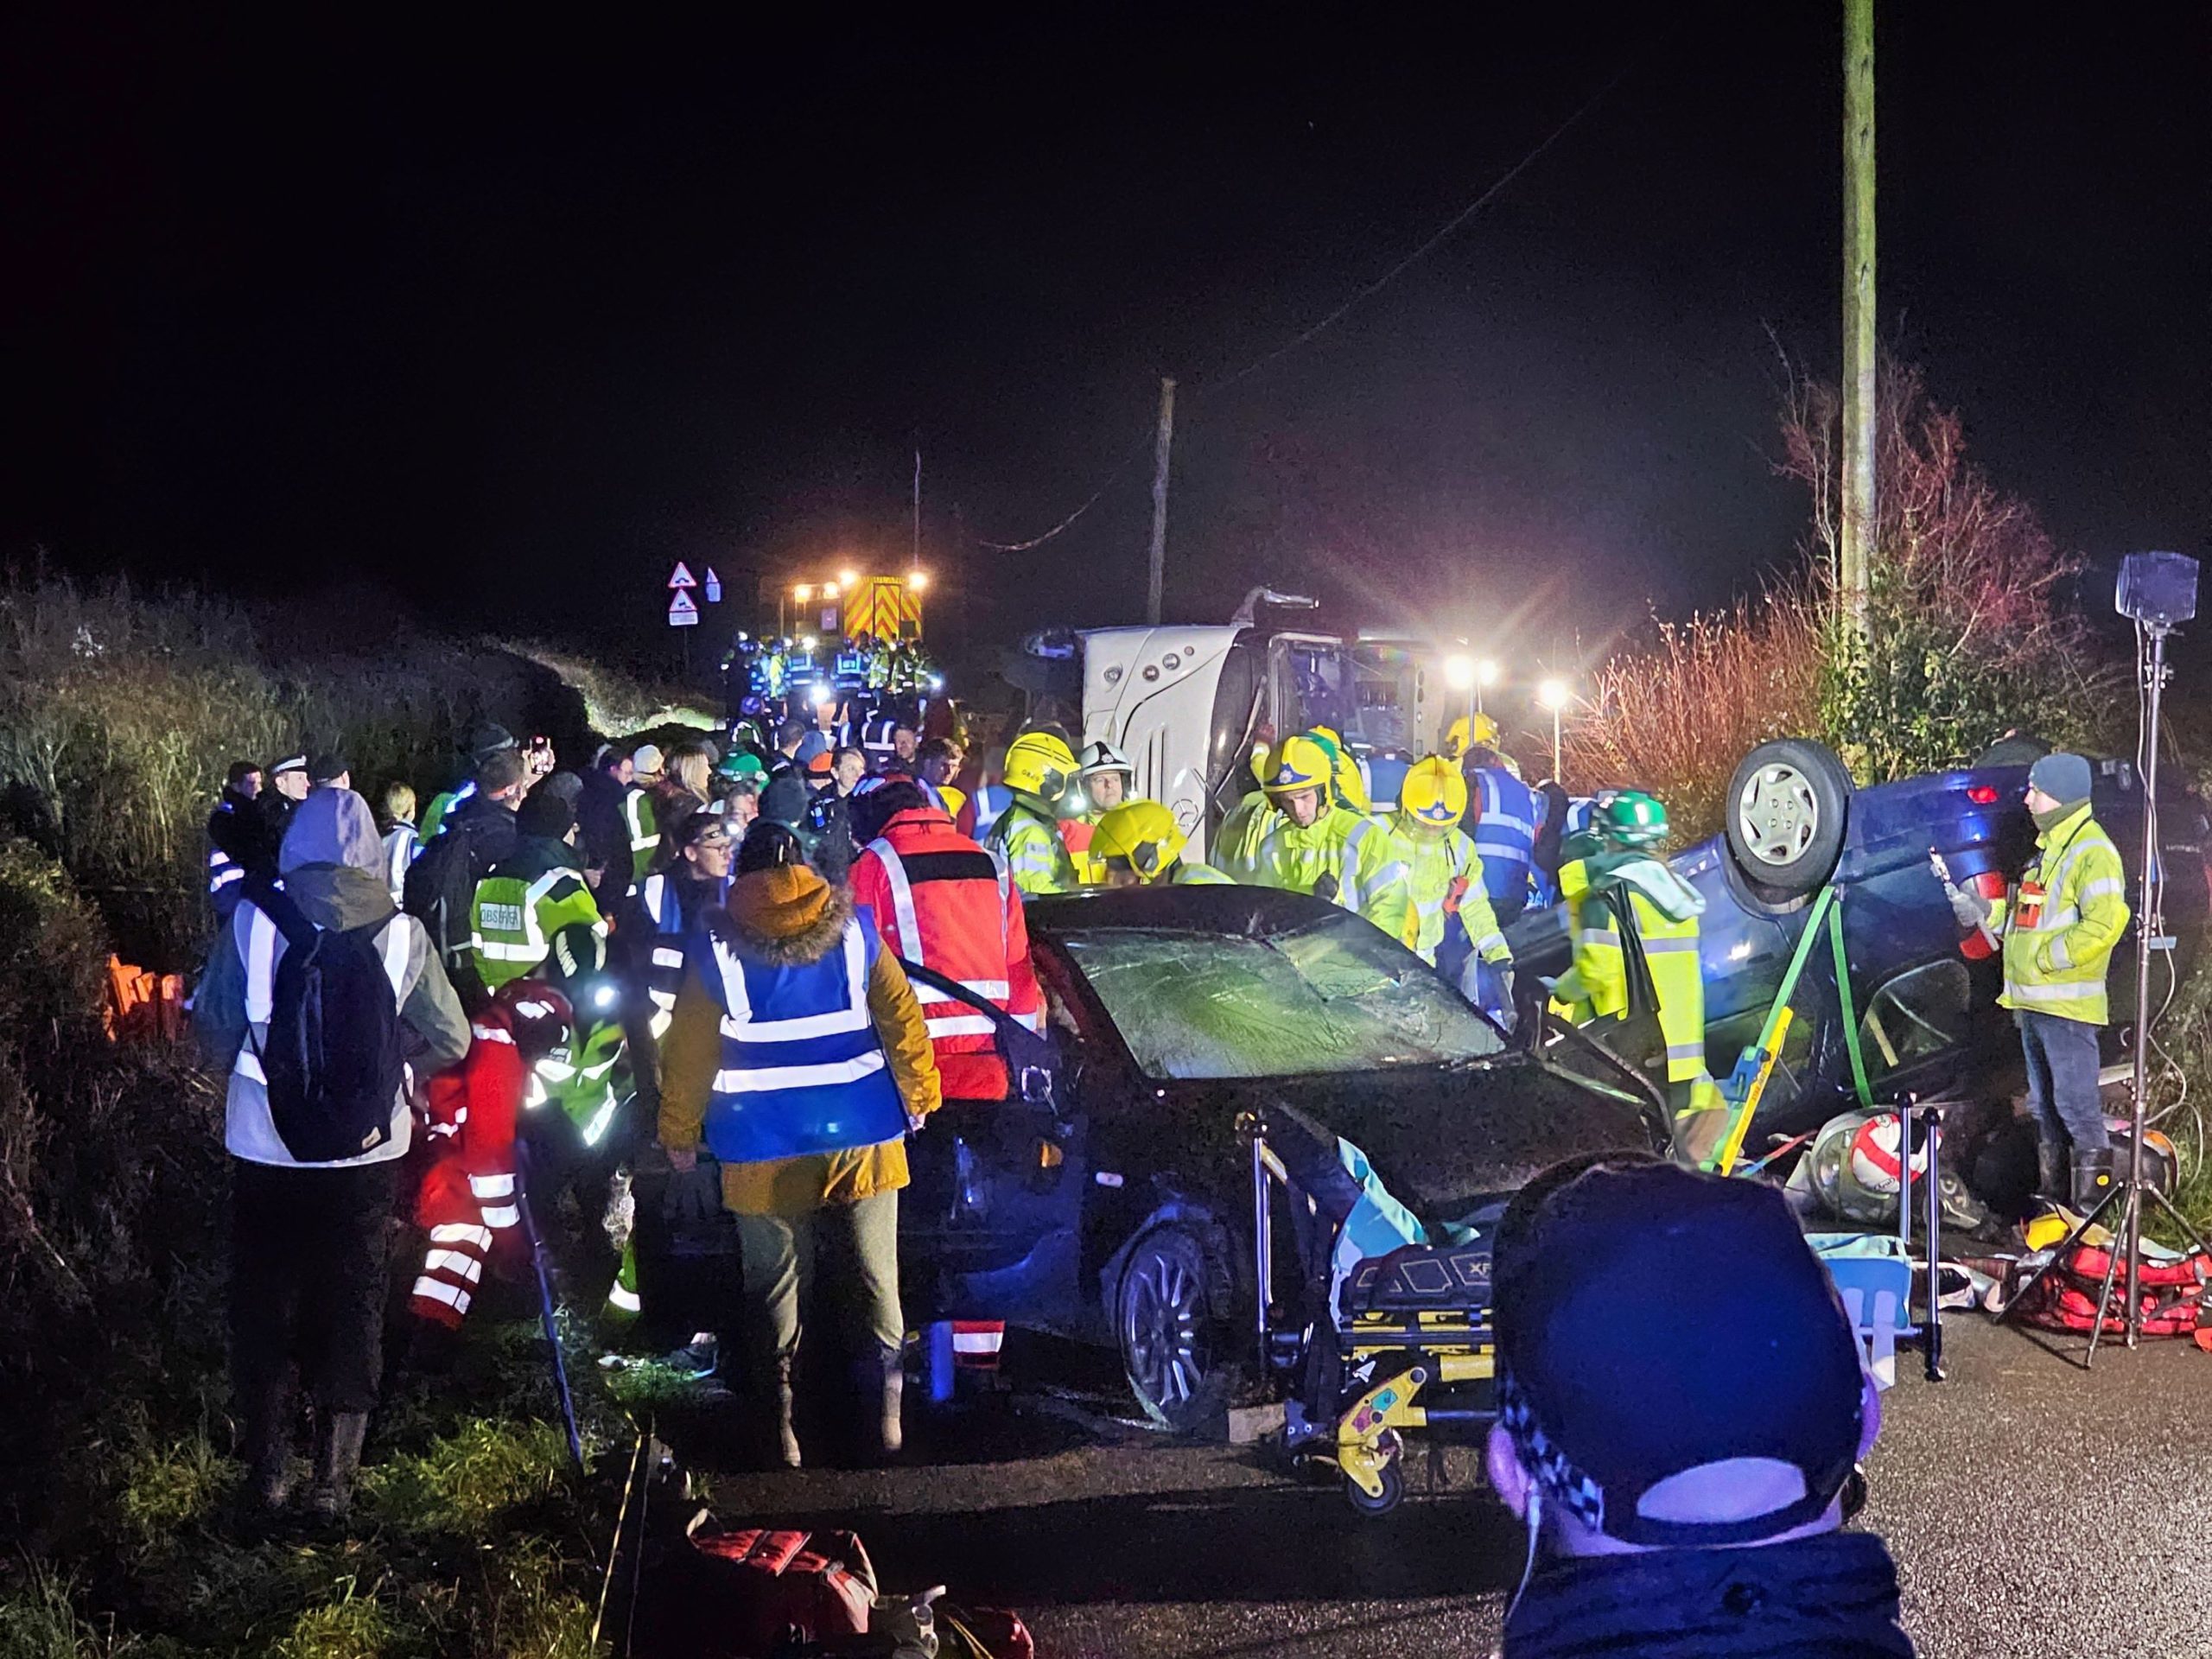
(1159, 448)
(917, 564)
(1859, 414)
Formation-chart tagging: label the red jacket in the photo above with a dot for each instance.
(944, 901)
(473, 1108)
(467, 1202)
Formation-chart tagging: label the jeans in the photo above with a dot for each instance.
(779, 1255)
(2062, 1064)
(310, 1259)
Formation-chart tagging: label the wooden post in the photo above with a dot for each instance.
(1161, 447)
(1859, 415)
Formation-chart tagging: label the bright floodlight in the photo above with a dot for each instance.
(846, 578)
(1554, 694)
(809, 643)
(803, 593)
(820, 694)
(918, 579)
(828, 590)
(1486, 673)
(1460, 673)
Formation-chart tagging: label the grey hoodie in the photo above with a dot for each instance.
(330, 896)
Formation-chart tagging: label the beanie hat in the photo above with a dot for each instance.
(781, 900)
(545, 813)
(332, 826)
(327, 765)
(1652, 1321)
(2064, 778)
(647, 759)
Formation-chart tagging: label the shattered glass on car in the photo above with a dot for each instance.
(1337, 996)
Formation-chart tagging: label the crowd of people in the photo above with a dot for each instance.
(697, 951)
(548, 977)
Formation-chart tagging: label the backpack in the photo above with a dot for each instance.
(332, 1060)
(441, 893)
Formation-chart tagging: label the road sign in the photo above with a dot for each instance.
(713, 587)
(682, 579)
(683, 611)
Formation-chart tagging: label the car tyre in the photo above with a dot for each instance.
(1785, 813)
(1173, 1332)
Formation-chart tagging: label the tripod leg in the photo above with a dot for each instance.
(2059, 1254)
(2111, 1270)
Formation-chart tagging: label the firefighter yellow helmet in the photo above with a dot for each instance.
(1434, 792)
(1300, 764)
(1142, 833)
(1039, 764)
(1464, 734)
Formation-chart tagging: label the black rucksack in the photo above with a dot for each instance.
(441, 894)
(332, 1060)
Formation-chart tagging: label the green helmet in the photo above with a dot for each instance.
(1629, 817)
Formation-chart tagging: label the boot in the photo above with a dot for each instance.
(2093, 1178)
(268, 1452)
(337, 1460)
(786, 1431)
(881, 1384)
(2051, 1172)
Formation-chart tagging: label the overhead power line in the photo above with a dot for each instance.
(1442, 234)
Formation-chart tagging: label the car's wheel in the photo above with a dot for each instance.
(1174, 1337)
(1786, 808)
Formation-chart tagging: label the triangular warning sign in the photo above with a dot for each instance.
(681, 604)
(683, 576)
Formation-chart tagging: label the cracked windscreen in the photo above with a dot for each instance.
(1337, 996)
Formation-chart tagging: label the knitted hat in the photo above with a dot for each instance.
(2064, 778)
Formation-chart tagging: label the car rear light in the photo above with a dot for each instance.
(1982, 794)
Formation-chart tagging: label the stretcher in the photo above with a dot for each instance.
(1385, 1328)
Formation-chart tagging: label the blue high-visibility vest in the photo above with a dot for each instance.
(1505, 832)
(802, 1070)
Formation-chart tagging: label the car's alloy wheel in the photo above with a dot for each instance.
(1165, 1322)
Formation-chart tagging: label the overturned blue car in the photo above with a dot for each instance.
(1922, 993)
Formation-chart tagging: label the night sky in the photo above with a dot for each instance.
(509, 322)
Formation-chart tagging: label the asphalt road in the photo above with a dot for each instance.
(2034, 1510)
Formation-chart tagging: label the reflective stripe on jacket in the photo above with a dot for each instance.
(673, 907)
(1243, 829)
(939, 899)
(521, 905)
(1297, 857)
(1599, 977)
(1036, 854)
(1443, 876)
(1505, 812)
(2054, 958)
(802, 1070)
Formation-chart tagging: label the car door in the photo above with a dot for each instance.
(989, 1223)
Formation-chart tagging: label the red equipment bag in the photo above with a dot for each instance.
(752, 1591)
(2172, 1295)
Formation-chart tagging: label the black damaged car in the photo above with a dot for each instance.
(1106, 1196)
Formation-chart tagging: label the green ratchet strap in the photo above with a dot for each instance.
(1850, 1014)
(1827, 907)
